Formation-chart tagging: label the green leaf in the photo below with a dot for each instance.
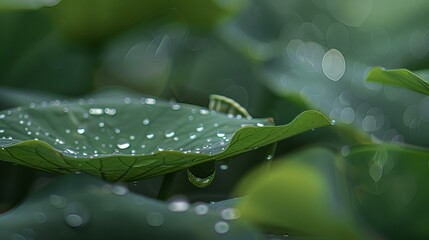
(132, 138)
(303, 195)
(390, 184)
(400, 78)
(26, 4)
(82, 207)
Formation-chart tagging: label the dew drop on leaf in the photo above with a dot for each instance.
(201, 209)
(220, 134)
(150, 135)
(200, 128)
(123, 143)
(221, 227)
(204, 111)
(146, 121)
(230, 213)
(73, 220)
(110, 111)
(81, 130)
(178, 205)
(155, 219)
(119, 189)
(95, 111)
(169, 134)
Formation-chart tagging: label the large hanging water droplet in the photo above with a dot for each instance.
(123, 143)
(201, 182)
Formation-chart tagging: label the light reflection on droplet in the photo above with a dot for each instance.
(178, 205)
(146, 121)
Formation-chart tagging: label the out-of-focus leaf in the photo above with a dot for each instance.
(127, 139)
(82, 207)
(390, 185)
(304, 194)
(400, 78)
(26, 4)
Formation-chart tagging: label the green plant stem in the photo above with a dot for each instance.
(166, 185)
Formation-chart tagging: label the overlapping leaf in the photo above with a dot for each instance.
(81, 207)
(127, 139)
(400, 78)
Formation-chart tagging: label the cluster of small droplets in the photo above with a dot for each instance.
(92, 132)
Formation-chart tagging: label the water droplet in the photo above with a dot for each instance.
(169, 134)
(200, 182)
(58, 201)
(175, 106)
(127, 100)
(192, 136)
(123, 143)
(155, 219)
(345, 150)
(201, 209)
(150, 101)
(119, 189)
(230, 213)
(333, 122)
(81, 131)
(101, 124)
(1, 130)
(95, 111)
(200, 128)
(150, 135)
(269, 157)
(223, 167)
(260, 124)
(132, 137)
(110, 111)
(2, 116)
(146, 121)
(40, 217)
(178, 205)
(117, 130)
(68, 131)
(221, 227)
(204, 111)
(73, 220)
(220, 134)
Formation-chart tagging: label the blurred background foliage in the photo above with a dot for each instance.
(274, 57)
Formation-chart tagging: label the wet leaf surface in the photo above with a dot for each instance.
(131, 138)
